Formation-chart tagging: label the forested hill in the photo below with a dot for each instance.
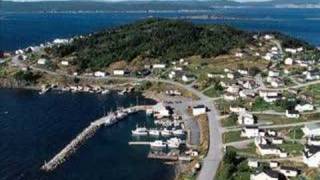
(161, 39)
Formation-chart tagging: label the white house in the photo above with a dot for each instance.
(288, 61)
(313, 75)
(270, 149)
(99, 74)
(288, 171)
(198, 110)
(118, 72)
(290, 50)
(230, 97)
(304, 107)
(266, 174)
(233, 89)
(276, 140)
(243, 72)
(158, 66)
(42, 61)
(245, 118)
(253, 163)
(230, 75)
(268, 37)
(311, 156)
(188, 78)
(273, 164)
(65, 63)
(315, 141)
(250, 131)
(272, 73)
(239, 54)
(292, 114)
(310, 130)
(237, 109)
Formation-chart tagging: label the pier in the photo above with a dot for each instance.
(88, 132)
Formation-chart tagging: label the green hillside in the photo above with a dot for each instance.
(165, 40)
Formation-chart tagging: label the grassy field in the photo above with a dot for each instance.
(204, 134)
(232, 136)
(295, 133)
(281, 119)
(313, 90)
(212, 92)
(293, 149)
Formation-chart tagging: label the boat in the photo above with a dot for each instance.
(178, 132)
(166, 132)
(140, 131)
(158, 144)
(154, 132)
(174, 143)
(106, 91)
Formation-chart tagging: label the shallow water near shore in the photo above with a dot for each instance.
(33, 128)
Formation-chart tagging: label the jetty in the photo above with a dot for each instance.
(110, 119)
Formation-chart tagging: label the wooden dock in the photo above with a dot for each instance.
(139, 143)
(88, 132)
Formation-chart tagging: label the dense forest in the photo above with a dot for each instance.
(162, 39)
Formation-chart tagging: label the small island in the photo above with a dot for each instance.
(253, 96)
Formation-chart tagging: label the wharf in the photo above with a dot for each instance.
(88, 132)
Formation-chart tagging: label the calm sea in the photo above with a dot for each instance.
(34, 127)
(20, 30)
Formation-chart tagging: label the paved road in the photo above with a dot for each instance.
(215, 154)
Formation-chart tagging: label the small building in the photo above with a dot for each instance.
(65, 63)
(159, 66)
(266, 174)
(250, 131)
(289, 171)
(246, 118)
(230, 97)
(237, 109)
(119, 72)
(273, 164)
(161, 111)
(188, 78)
(311, 156)
(311, 130)
(198, 110)
(288, 61)
(253, 163)
(277, 140)
(292, 114)
(99, 74)
(230, 75)
(272, 73)
(270, 149)
(233, 89)
(315, 141)
(42, 61)
(304, 107)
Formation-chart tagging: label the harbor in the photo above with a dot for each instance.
(88, 132)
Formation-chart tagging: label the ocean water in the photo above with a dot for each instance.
(20, 30)
(35, 127)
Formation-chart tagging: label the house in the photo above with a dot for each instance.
(268, 37)
(276, 82)
(243, 72)
(246, 118)
(272, 73)
(290, 50)
(119, 72)
(230, 97)
(313, 75)
(188, 78)
(42, 61)
(315, 141)
(198, 110)
(270, 149)
(158, 66)
(65, 63)
(273, 164)
(276, 140)
(234, 89)
(250, 131)
(311, 130)
(247, 93)
(252, 163)
(288, 61)
(311, 156)
(237, 109)
(172, 74)
(230, 75)
(292, 114)
(266, 174)
(304, 107)
(99, 74)
(288, 171)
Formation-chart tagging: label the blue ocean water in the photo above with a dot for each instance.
(35, 127)
(20, 30)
